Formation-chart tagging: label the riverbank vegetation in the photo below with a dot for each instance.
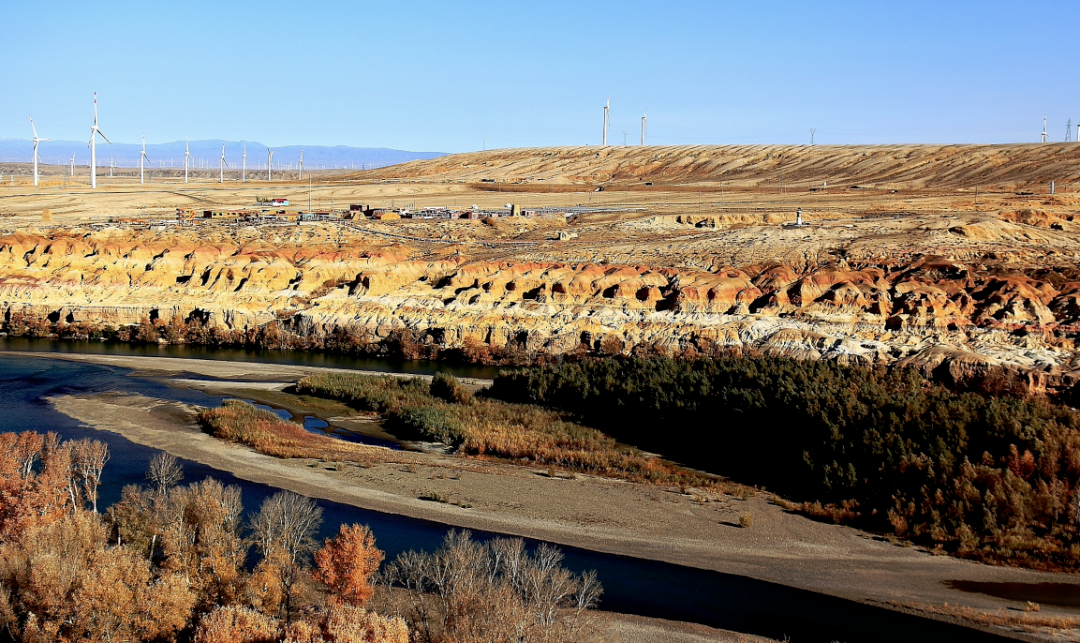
(171, 563)
(238, 421)
(993, 477)
(444, 411)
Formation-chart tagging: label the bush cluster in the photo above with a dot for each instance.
(238, 421)
(483, 427)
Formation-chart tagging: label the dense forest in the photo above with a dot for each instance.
(174, 563)
(990, 476)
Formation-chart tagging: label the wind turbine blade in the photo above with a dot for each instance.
(103, 136)
(32, 125)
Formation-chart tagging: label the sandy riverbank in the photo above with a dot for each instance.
(221, 369)
(588, 512)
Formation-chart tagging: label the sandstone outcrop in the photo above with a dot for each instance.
(937, 315)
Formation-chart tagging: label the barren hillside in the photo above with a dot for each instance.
(881, 166)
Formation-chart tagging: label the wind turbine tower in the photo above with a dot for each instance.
(187, 155)
(142, 157)
(221, 164)
(1044, 130)
(36, 141)
(72, 165)
(644, 126)
(269, 163)
(94, 131)
(301, 165)
(606, 108)
(243, 172)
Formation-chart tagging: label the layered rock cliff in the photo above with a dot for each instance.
(931, 312)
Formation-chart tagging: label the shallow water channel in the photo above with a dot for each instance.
(631, 585)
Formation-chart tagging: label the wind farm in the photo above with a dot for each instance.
(800, 361)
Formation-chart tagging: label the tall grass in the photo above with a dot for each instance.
(238, 421)
(491, 429)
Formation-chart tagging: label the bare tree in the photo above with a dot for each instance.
(284, 532)
(164, 472)
(499, 591)
(88, 458)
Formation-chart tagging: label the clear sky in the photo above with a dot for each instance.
(440, 76)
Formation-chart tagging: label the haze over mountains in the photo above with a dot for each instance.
(208, 151)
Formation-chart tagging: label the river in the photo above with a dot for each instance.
(631, 585)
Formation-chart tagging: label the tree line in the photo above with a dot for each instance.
(991, 476)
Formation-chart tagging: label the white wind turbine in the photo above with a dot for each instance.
(644, 126)
(36, 141)
(301, 165)
(72, 165)
(222, 164)
(269, 162)
(606, 108)
(94, 131)
(187, 155)
(143, 157)
(112, 166)
(243, 172)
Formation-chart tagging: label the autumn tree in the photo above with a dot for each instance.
(343, 623)
(201, 538)
(347, 562)
(235, 624)
(64, 582)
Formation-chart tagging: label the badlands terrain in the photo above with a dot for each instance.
(951, 259)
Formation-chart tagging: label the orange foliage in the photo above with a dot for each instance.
(349, 624)
(237, 625)
(237, 421)
(346, 563)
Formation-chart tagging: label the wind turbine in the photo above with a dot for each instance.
(606, 108)
(269, 162)
(73, 164)
(141, 158)
(94, 131)
(36, 141)
(222, 163)
(644, 125)
(112, 166)
(301, 164)
(243, 172)
(1044, 130)
(187, 155)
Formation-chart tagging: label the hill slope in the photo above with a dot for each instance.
(885, 166)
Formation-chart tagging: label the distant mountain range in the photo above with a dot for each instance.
(207, 153)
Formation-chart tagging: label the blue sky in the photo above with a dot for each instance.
(439, 76)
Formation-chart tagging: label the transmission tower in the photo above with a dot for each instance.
(1068, 131)
(812, 132)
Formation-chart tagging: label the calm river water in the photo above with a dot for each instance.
(631, 585)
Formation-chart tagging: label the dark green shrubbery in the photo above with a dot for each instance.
(995, 476)
(445, 411)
